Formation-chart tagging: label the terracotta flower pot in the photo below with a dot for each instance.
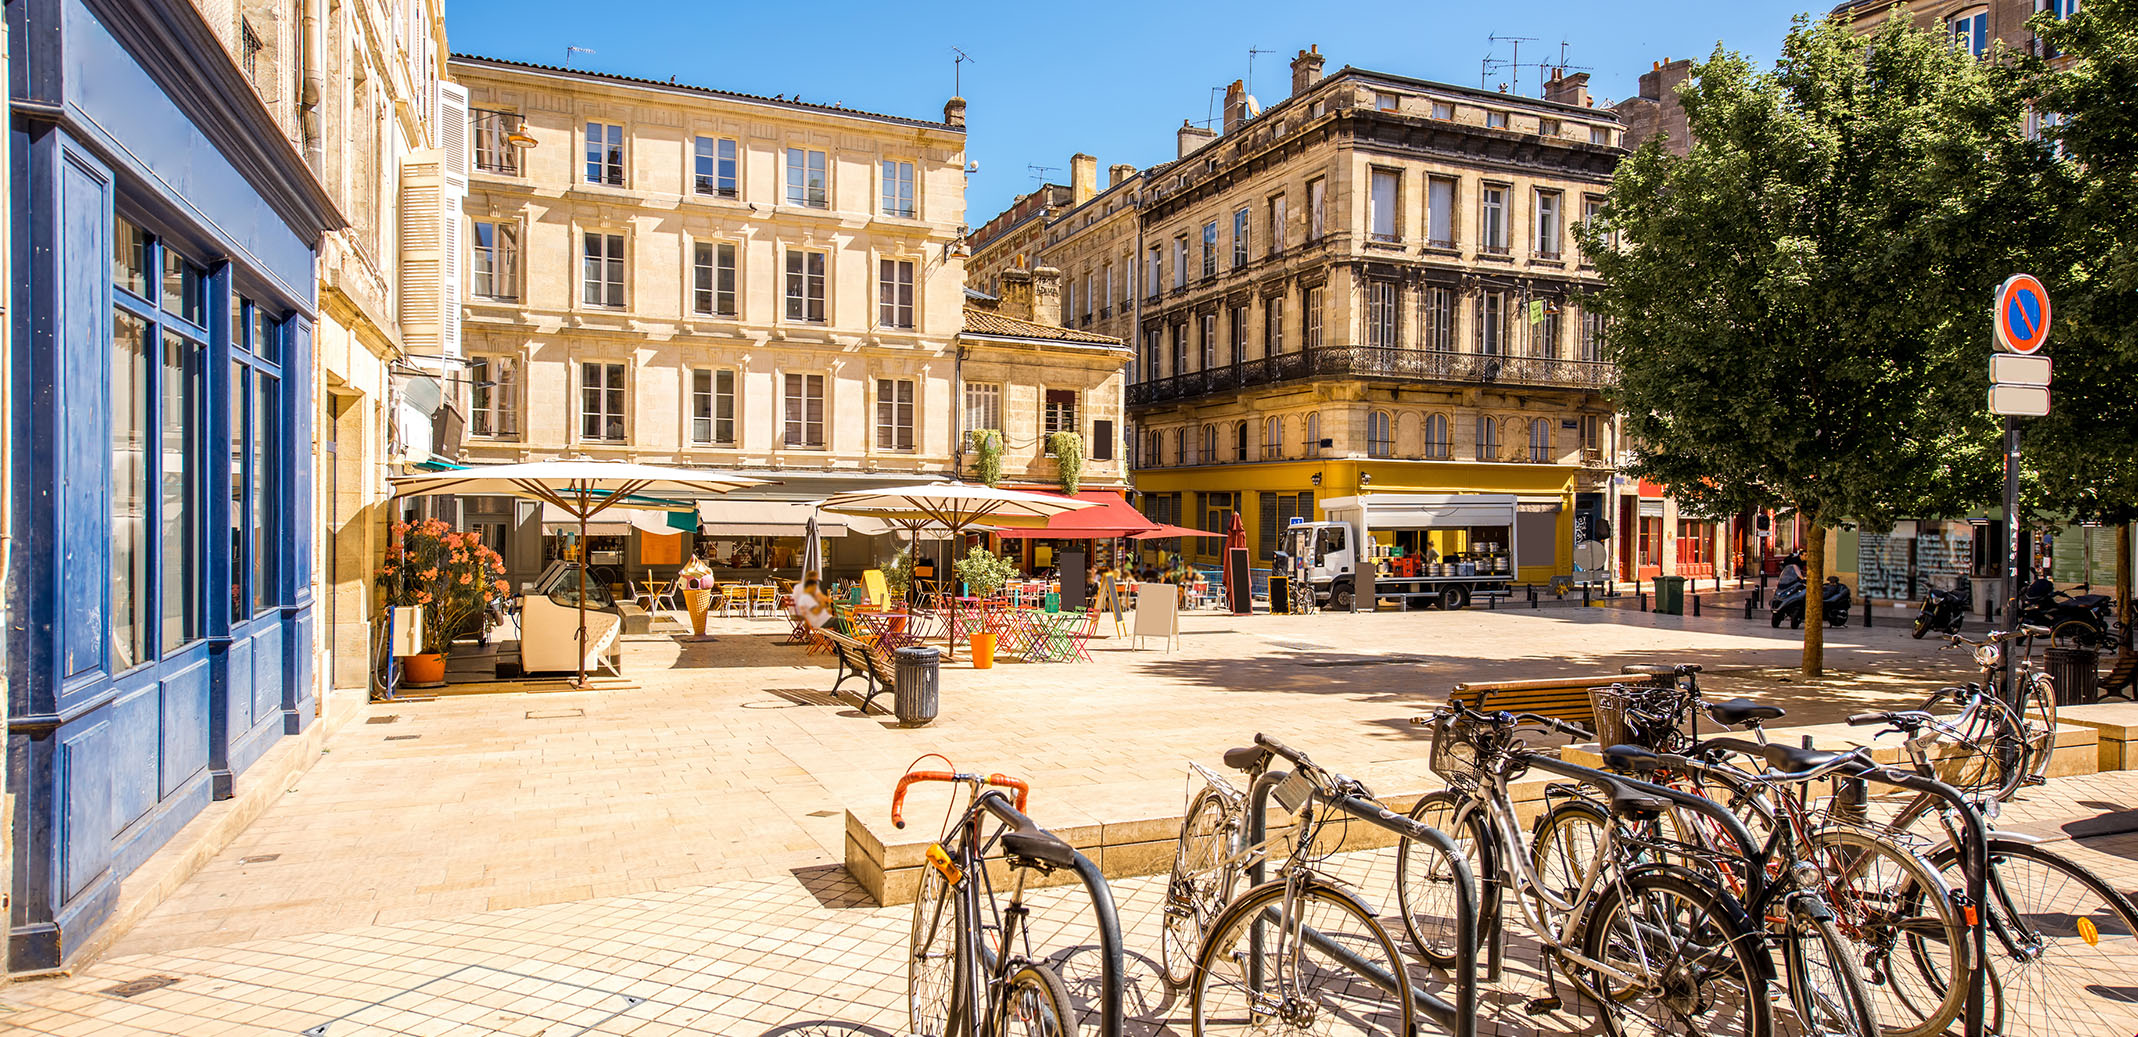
(428, 668)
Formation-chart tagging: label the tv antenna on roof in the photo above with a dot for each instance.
(1253, 50)
(1516, 62)
(1039, 173)
(957, 70)
(571, 49)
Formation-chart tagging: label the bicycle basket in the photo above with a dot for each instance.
(1610, 706)
(1981, 764)
(1640, 715)
(1455, 755)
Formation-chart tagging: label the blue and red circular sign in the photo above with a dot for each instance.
(2021, 316)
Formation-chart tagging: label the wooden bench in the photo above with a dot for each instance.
(858, 659)
(1561, 698)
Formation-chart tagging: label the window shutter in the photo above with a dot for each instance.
(423, 284)
(453, 132)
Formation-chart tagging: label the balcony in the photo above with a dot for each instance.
(1409, 365)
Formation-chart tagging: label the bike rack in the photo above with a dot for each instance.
(1114, 967)
(1459, 1018)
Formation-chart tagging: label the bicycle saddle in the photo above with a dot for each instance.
(1040, 845)
(1631, 759)
(1780, 757)
(1627, 801)
(1246, 757)
(1739, 711)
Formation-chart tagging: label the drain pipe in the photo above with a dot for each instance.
(308, 100)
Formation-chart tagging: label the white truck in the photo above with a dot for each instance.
(1422, 548)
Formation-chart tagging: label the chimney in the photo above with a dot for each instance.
(1083, 178)
(1235, 105)
(1046, 297)
(1116, 174)
(1016, 294)
(1566, 89)
(1191, 136)
(1306, 69)
(954, 112)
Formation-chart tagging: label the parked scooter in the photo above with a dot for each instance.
(2074, 620)
(1944, 611)
(1789, 603)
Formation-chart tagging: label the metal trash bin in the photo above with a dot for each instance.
(1670, 595)
(2077, 675)
(916, 670)
(1280, 593)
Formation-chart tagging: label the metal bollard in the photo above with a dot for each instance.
(1641, 593)
(1748, 608)
(1584, 595)
(1533, 597)
(1696, 604)
(1866, 612)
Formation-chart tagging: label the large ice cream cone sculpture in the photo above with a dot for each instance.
(697, 580)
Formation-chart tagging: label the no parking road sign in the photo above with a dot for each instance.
(2021, 315)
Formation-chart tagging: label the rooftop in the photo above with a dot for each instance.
(988, 322)
(777, 101)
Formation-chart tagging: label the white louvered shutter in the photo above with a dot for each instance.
(423, 259)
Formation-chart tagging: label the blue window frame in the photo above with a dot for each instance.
(159, 339)
(255, 458)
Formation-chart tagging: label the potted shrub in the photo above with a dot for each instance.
(897, 581)
(984, 572)
(451, 576)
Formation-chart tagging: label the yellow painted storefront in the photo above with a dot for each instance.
(1342, 477)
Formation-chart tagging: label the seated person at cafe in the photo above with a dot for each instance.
(809, 602)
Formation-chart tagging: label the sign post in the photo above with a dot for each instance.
(2019, 386)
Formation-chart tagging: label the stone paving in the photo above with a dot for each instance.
(678, 842)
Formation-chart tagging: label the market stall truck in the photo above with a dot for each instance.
(1420, 549)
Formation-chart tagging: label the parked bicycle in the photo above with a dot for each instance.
(972, 971)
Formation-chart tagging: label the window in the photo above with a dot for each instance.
(185, 290)
(713, 278)
(1436, 437)
(266, 516)
(1488, 439)
(806, 179)
(1591, 432)
(1440, 319)
(1440, 212)
(494, 396)
(713, 167)
(177, 476)
(1154, 271)
(1540, 441)
(602, 283)
(1548, 229)
(1496, 120)
(601, 402)
(605, 154)
(803, 411)
(1207, 324)
(1276, 225)
(1102, 440)
(1180, 438)
(1971, 30)
(249, 48)
(1382, 303)
(1386, 185)
(1273, 325)
(1180, 261)
(1591, 213)
(1239, 239)
(1239, 441)
(132, 339)
(1494, 221)
(1273, 438)
(1443, 111)
(1317, 198)
(1492, 322)
(493, 153)
(983, 406)
(1152, 340)
(1312, 442)
(1106, 278)
(1210, 249)
(1091, 302)
(712, 407)
(1547, 127)
(255, 431)
(1386, 102)
(1379, 441)
(1060, 413)
(894, 293)
(894, 414)
(1236, 340)
(1600, 135)
(495, 266)
(805, 286)
(1544, 330)
(1311, 311)
(1206, 445)
(1180, 348)
(898, 189)
(1592, 338)
(1278, 510)
(1696, 544)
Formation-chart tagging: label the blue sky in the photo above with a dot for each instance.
(1048, 80)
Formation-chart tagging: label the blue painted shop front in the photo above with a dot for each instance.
(164, 238)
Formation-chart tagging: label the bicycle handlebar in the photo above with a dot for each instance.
(1505, 718)
(911, 778)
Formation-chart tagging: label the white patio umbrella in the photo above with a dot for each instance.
(954, 506)
(581, 487)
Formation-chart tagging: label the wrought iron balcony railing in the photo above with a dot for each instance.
(1413, 365)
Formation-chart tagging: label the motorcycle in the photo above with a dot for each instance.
(1789, 603)
(2074, 620)
(1944, 611)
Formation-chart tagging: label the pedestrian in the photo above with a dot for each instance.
(809, 602)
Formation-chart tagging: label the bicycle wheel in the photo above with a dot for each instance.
(1425, 881)
(1038, 1005)
(2063, 944)
(1693, 965)
(1910, 941)
(1564, 843)
(932, 964)
(2037, 709)
(1338, 973)
(1200, 885)
(1824, 988)
(1990, 754)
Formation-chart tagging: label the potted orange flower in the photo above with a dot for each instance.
(451, 576)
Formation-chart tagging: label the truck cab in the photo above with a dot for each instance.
(1420, 549)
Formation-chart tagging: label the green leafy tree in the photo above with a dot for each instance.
(1797, 306)
(2084, 455)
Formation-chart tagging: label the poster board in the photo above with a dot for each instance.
(878, 591)
(1157, 613)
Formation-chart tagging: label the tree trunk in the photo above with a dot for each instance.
(1815, 599)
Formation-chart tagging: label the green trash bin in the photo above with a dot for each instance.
(1670, 595)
